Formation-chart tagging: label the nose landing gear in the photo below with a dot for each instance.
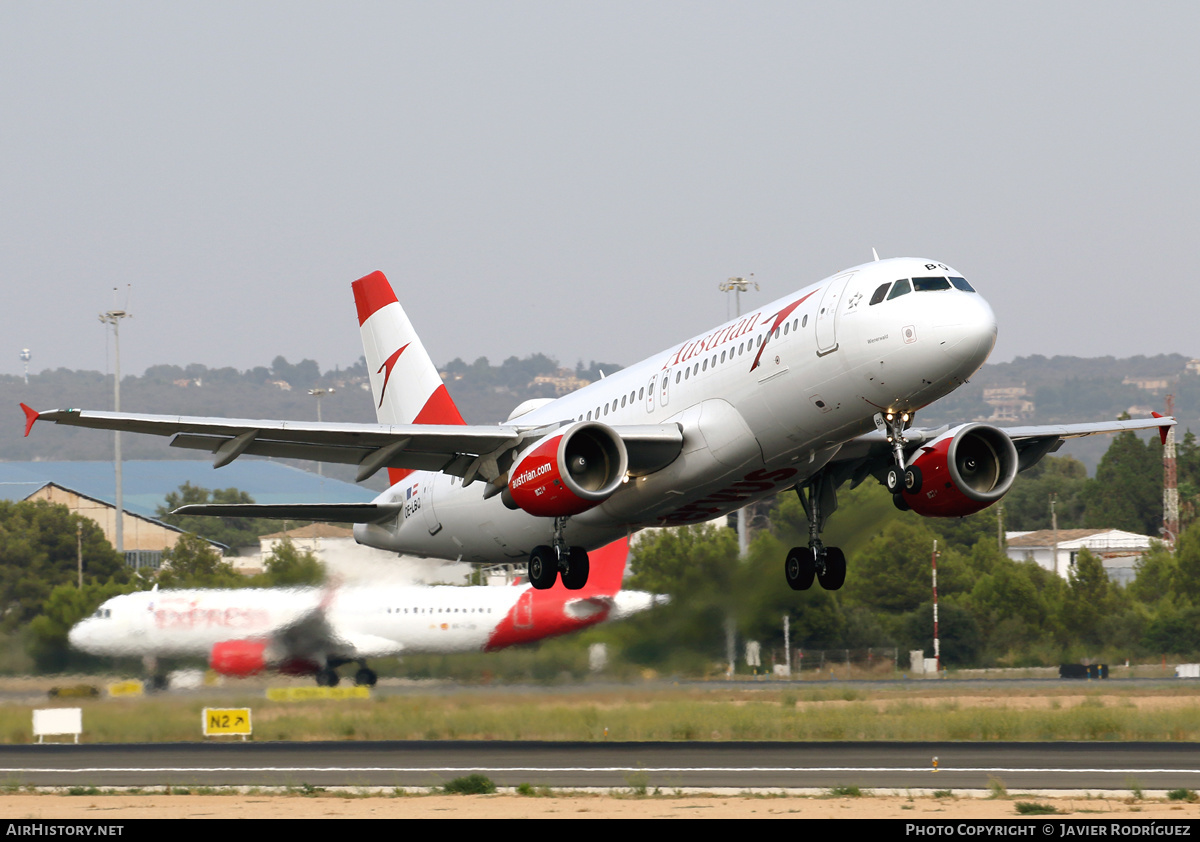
(900, 478)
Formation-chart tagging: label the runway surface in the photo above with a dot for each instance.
(738, 765)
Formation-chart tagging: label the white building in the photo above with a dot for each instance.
(1118, 551)
(351, 562)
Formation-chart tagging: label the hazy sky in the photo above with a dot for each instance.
(576, 178)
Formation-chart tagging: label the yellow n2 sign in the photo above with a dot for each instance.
(224, 722)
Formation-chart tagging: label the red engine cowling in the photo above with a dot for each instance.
(238, 658)
(568, 471)
(964, 471)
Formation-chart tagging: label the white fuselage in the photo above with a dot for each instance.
(764, 401)
(360, 621)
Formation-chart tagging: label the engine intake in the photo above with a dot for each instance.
(964, 472)
(568, 471)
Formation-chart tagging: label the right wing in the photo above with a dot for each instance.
(871, 453)
(458, 450)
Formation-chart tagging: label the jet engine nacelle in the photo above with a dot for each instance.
(568, 472)
(964, 471)
(239, 658)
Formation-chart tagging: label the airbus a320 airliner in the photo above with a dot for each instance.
(313, 631)
(809, 392)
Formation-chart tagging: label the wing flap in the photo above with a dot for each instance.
(344, 455)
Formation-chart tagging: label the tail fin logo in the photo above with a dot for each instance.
(389, 364)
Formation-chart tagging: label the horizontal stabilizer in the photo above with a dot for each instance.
(325, 512)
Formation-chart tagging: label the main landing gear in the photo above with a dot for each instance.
(328, 676)
(899, 478)
(545, 562)
(816, 561)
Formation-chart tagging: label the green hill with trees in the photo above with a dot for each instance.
(994, 611)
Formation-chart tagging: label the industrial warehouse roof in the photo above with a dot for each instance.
(146, 484)
(1093, 539)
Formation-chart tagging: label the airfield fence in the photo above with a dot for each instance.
(857, 662)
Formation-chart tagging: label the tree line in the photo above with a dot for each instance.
(56, 568)
(993, 610)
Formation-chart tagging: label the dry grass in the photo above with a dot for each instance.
(923, 711)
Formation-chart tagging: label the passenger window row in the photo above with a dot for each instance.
(695, 369)
(440, 611)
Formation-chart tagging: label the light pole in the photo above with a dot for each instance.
(319, 393)
(113, 317)
(737, 286)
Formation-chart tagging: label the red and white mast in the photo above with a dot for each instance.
(1170, 527)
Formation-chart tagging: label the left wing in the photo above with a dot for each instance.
(459, 450)
(323, 512)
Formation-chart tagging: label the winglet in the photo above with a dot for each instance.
(31, 415)
(1162, 431)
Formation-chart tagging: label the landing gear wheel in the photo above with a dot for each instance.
(899, 502)
(365, 677)
(543, 567)
(799, 568)
(833, 576)
(327, 678)
(576, 574)
(912, 479)
(893, 480)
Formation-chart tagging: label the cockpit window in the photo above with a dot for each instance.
(880, 293)
(902, 287)
(961, 283)
(930, 284)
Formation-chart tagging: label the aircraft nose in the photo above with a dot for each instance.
(78, 635)
(970, 334)
(89, 636)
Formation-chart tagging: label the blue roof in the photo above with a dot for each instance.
(146, 484)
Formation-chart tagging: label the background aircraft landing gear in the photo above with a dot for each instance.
(826, 564)
(327, 677)
(365, 677)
